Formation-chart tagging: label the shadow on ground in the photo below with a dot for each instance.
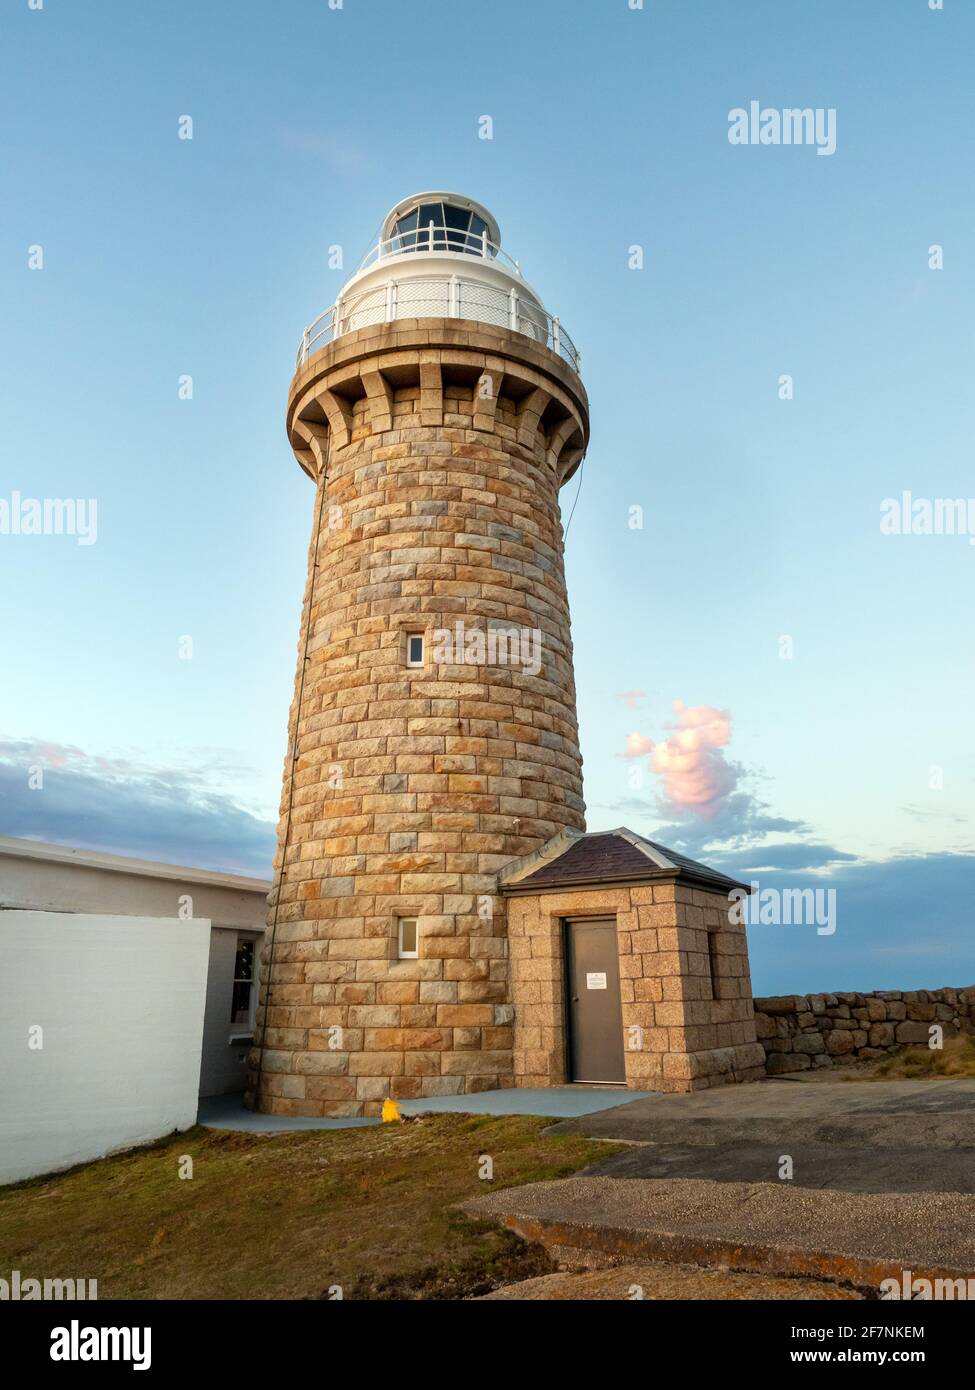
(893, 1136)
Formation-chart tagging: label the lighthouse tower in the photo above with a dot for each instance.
(437, 407)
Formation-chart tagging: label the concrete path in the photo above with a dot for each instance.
(556, 1101)
(853, 1238)
(228, 1112)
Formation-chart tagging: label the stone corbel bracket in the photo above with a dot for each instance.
(551, 408)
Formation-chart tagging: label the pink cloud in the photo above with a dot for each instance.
(697, 779)
(637, 746)
(631, 698)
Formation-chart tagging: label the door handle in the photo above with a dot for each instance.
(575, 998)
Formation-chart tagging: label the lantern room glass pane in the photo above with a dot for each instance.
(432, 212)
(457, 217)
(406, 228)
(478, 231)
(458, 221)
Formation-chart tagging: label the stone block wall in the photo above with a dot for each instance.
(438, 448)
(799, 1032)
(687, 1040)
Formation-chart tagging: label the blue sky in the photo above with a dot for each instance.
(207, 257)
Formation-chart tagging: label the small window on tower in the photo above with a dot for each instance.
(414, 649)
(408, 939)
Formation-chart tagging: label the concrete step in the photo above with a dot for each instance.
(854, 1239)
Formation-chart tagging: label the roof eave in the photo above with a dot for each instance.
(527, 888)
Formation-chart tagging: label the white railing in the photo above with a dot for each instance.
(434, 237)
(439, 296)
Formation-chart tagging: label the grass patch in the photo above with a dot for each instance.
(289, 1215)
(955, 1059)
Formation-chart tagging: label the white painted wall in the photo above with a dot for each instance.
(57, 878)
(121, 1003)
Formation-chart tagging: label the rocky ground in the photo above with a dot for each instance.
(666, 1281)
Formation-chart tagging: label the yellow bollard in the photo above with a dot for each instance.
(390, 1111)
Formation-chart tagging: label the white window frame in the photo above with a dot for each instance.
(411, 664)
(239, 1031)
(400, 953)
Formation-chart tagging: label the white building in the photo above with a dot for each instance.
(130, 992)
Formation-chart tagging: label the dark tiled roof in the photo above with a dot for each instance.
(610, 855)
(593, 856)
(693, 867)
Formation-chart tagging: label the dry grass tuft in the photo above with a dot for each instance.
(955, 1059)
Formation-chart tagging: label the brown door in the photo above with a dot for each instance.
(594, 1015)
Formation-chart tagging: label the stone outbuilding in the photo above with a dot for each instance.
(627, 967)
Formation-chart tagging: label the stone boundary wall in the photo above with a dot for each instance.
(800, 1031)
